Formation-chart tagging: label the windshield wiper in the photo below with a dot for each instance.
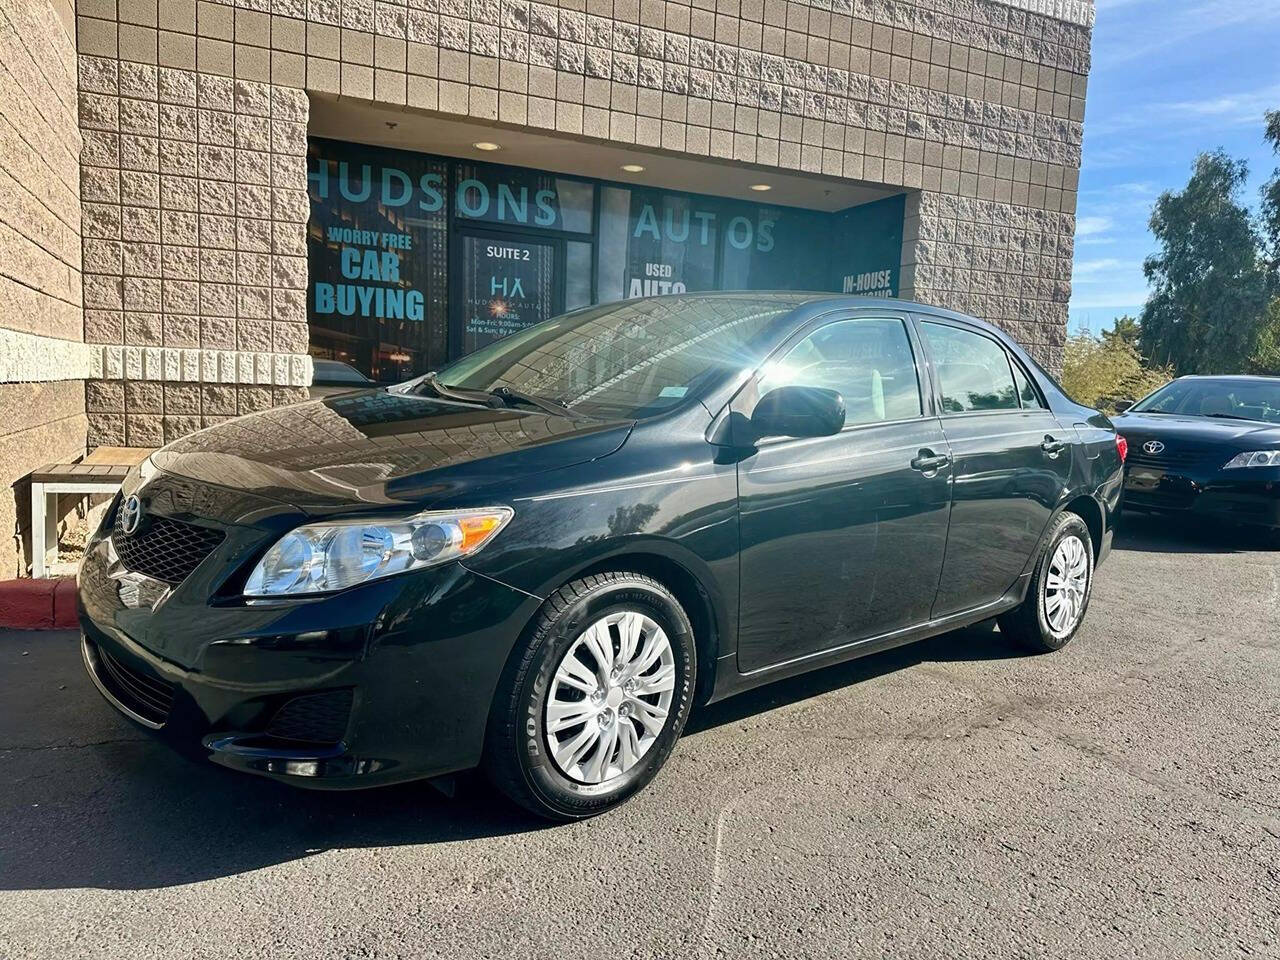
(510, 394)
(446, 392)
(1230, 416)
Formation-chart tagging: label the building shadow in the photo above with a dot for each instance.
(90, 801)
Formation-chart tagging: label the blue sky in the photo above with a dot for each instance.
(1170, 79)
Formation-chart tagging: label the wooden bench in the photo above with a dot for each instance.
(102, 471)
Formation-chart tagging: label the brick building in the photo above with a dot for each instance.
(200, 197)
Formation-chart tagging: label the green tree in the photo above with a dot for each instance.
(1265, 358)
(1266, 353)
(1098, 372)
(1209, 282)
(1270, 213)
(1126, 329)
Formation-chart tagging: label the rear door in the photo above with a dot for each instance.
(842, 536)
(1012, 463)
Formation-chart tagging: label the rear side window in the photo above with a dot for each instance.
(973, 370)
(867, 360)
(1027, 392)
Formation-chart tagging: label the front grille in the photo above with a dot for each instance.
(313, 718)
(163, 548)
(149, 697)
(1177, 454)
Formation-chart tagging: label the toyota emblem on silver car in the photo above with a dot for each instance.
(1153, 447)
(130, 515)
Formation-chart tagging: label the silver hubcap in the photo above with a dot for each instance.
(610, 697)
(1067, 586)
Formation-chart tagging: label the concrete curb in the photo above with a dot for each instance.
(38, 604)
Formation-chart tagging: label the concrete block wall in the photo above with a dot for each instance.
(195, 209)
(43, 360)
(194, 117)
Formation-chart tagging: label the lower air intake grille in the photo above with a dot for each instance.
(314, 718)
(149, 697)
(164, 549)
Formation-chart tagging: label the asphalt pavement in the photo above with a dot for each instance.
(953, 798)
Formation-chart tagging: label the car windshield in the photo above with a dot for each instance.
(1224, 398)
(629, 359)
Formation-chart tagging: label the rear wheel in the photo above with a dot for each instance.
(592, 704)
(1058, 595)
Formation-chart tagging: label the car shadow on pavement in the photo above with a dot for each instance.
(90, 801)
(1158, 533)
(983, 641)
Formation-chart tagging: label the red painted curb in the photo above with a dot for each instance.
(38, 604)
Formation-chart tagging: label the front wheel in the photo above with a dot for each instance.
(1059, 592)
(594, 699)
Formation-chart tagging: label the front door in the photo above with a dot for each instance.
(505, 282)
(1012, 461)
(842, 537)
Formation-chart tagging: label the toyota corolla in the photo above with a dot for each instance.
(539, 559)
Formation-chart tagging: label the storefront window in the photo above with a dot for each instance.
(417, 260)
(577, 275)
(523, 199)
(378, 257)
(773, 248)
(657, 243)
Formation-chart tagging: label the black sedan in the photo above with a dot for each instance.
(538, 559)
(1207, 447)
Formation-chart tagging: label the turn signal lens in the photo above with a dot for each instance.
(322, 557)
(1122, 446)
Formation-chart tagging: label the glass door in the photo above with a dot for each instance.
(504, 282)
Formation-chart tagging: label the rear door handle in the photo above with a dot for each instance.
(1052, 447)
(930, 463)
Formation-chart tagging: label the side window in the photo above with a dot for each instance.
(1027, 392)
(973, 370)
(867, 360)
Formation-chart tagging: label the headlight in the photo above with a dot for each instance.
(1254, 458)
(321, 557)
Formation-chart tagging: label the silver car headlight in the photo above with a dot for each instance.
(1254, 458)
(322, 557)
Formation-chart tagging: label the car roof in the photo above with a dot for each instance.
(816, 302)
(1245, 377)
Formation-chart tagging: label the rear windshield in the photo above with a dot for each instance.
(630, 359)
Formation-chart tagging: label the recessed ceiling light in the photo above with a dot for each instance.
(761, 187)
(486, 145)
(632, 168)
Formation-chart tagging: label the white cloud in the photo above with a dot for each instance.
(1104, 300)
(1152, 25)
(1092, 226)
(1088, 268)
(1177, 118)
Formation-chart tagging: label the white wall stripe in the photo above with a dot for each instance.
(32, 358)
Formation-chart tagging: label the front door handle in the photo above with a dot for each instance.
(1051, 446)
(930, 463)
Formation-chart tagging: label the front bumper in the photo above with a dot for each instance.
(386, 682)
(1248, 500)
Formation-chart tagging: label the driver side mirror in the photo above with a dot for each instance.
(798, 411)
(1122, 405)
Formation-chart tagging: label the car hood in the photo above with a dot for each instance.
(378, 448)
(1241, 434)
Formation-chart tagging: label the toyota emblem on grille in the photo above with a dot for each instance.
(1153, 447)
(130, 515)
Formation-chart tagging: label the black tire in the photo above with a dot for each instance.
(1027, 624)
(517, 752)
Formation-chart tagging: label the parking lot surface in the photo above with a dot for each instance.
(953, 798)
